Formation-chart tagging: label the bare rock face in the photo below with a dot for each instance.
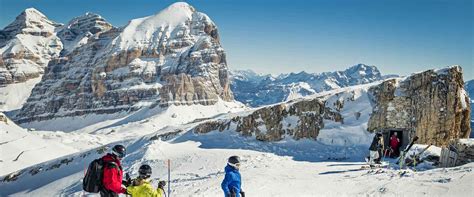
(432, 104)
(299, 120)
(26, 46)
(171, 58)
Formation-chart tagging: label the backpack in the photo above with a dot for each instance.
(92, 181)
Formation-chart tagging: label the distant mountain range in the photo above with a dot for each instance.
(257, 89)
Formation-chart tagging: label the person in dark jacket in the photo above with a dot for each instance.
(231, 185)
(113, 173)
(375, 148)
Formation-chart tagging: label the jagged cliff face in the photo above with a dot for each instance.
(26, 46)
(298, 120)
(432, 104)
(173, 57)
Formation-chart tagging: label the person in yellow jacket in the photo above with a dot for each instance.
(141, 186)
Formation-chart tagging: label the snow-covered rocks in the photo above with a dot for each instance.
(171, 58)
(465, 150)
(26, 46)
(80, 29)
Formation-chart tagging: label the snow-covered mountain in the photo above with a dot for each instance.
(26, 46)
(469, 86)
(172, 57)
(257, 90)
(30, 42)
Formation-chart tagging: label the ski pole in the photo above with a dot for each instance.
(169, 178)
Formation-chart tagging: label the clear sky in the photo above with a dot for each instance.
(398, 36)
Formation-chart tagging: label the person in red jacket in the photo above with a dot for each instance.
(395, 145)
(113, 174)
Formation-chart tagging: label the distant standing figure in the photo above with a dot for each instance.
(374, 149)
(231, 185)
(395, 145)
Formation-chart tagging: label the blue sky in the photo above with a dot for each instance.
(398, 36)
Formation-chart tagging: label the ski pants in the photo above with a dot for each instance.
(373, 155)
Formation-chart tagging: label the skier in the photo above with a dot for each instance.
(394, 145)
(113, 174)
(232, 182)
(141, 186)
(375, 148)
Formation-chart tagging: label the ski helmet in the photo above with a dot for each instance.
(119, 151)
(144, 171)
(234, 160)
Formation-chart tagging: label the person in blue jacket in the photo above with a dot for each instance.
(232, 182)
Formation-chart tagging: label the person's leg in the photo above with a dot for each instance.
(372, 157)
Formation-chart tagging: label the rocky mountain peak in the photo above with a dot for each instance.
(171, 58)
(80, 29)
(30, 21)
(177, 21)
(27, 45)
(362, 70)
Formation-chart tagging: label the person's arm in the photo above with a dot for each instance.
(160, 192)
(225, 183)
(111, 179)
(131, 190)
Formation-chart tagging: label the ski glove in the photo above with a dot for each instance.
(128, 181)
(242, 194)
(161, 184)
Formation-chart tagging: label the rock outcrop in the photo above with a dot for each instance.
(26, 46)
(464, 149)
(432, 104)
(298, 120)
(171, 58)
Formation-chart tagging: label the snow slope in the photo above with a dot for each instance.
(329, 166)
(13, 96)
(19, 148)
(197, 170)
